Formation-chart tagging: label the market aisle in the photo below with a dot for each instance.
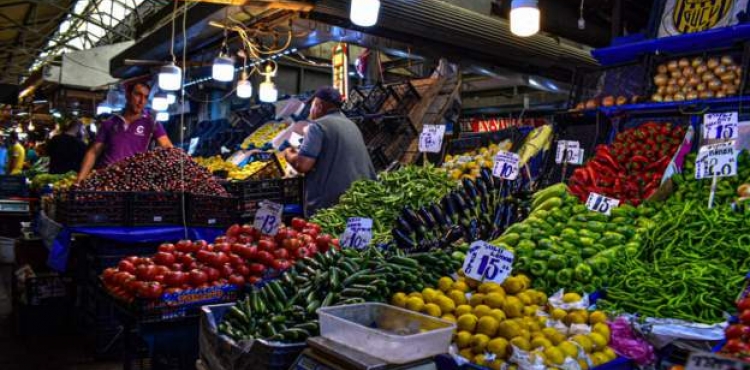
(40, 352)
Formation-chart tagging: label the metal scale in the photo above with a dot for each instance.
(324, 354)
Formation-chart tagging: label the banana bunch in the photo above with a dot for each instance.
(263, 135)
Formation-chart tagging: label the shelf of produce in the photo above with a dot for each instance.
(685, 107)
(706, 40)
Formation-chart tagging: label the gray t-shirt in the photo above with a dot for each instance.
(340, 156)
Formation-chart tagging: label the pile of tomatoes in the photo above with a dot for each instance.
(738, 334)
(242, 256)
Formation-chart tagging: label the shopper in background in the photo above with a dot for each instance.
(3, 156)
(42, 163)
(333, 153)
(123, 136)
(66, 149)
(16, 155)
(31, 155)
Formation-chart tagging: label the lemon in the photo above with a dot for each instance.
(570, 349)
(542, 320)
(445, 283)
(598, 341)
(575, 317)
(584, 314)
(531, 324)
(541, 298)
(597, 317)
(571, 297)
(458, 297)
(525, 334)
(480, 359)
(599, 358)
(530, 310)
(429, 295)
(456, 174)
(584, 342)
(415, 304)
(479, 343)
(487, 287)
(463, 338)
(446, 304)
(524, 279)
(583, 364)
(558, 314)
(610, 353)
(416, 294)
(449, 317)
(399, 300)
(541, 342)
(432, 310)
(514, 284)
(487, 325)
(462, 310)
(460, 285)
(482, 310)
(494, 300)
(522, 343)
(602, 329)
(499, 346)
(466, 353)
(496, 364)
(476, 299)
(554, 355)
(509, 329)
(467, 322)
(498, 314)
(525, 297)
(513, 307)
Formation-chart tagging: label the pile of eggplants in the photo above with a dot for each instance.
(480, 209)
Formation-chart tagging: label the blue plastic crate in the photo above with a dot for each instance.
(446, 362)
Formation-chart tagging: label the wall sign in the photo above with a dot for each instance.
(340, 62)
(689, 16)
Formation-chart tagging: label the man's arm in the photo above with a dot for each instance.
(164, 141)
(300, 163)
(89, 160)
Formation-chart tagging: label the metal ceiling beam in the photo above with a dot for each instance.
(80, 17)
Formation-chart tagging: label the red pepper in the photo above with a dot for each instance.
(639, 158)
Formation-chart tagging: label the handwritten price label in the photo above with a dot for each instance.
(600, 203)
(431, 138)
(569, 151)
(716, 159)
(713, 361)
(486, 262)
(268, 217)
(720, 125)
(506, 165)
(358, 233)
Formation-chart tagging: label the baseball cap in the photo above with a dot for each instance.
(327, 94)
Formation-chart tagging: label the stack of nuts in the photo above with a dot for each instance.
(685, 79)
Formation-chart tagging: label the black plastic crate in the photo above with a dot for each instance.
(154, 209)
(211, 211)
(294, 191)
(630, 81)
(46, 289)
(78, 208)
(251, 193)
(13, 186)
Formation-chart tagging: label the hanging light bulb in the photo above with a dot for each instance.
(162, 116)
(170, 77)
(244, 87)
(364, 13)
(524, 17)
(31, 126)
(171, 98)
(268, 92)
(19, 129)
(223, 68)
(159, 102)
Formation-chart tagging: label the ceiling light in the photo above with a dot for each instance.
(268, 92)
(171, 98)
(170, 77)
(364, 13)
(31, 126)
(524, 17)
(162, 116)
(19, 129)
(159, 102)
(244, 89)
(223, 68)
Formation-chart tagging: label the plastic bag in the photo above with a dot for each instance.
(626, 344)
(556, 301)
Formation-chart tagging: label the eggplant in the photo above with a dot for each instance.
(450, 209)
(426, 216)
(454, 234)
(439, 215)
(486, 175)
(413, 219)
(469, 188)
(404, 226)
(402, 241)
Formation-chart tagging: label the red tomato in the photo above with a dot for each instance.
(314, 226)
(301, 253)
(226, 271)
(257, 269)
(143, 261)
(298, 223)
(266, 245)
(310, 232)
(212, 273)
(219, 259)
(108, 275)
(242, 270)
(126, 266)
(236, 260)
(736, 331)
(220, 239)
(164, 258)
(186, 259)
(312, 248)
(281, 234)
(292, 244)
(222, 247)
(253, 279)
(184, 246)
(247, 229)
(234, 230)
(190, 266)
(150, 290)
(173, 290)
(159, 278)
(133, 286)
(293, 234)
(281, 264)
(323, 241)
(177, 267)
(145, 272)
(244, 239)
(265, 257)
(167, 247)
(237, 280)
(335, 242)
(204, 255)
(743, 304)
(161, 270)
(199, 244)
(175, 278)
(306, 238)
(131, 259)
(281, 253)
(745, 317)
(197, 277)
(735, 346)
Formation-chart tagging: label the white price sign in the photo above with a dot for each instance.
(486, 262)
(295, 140)
(600, 203)
(720, 125)
(716, 159)
(431, 138)
(268, 217)
(358, 233)
(714, 361)
(506, 165)
(569, 151)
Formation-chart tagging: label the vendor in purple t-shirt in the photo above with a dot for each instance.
(123, 136)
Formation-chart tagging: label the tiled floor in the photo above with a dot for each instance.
(46, 351)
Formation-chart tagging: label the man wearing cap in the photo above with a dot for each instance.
(126, 135)
(333, 153)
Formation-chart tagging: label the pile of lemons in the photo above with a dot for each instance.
(469, 164)
(263, 135)
(216, 163)
(494, 319)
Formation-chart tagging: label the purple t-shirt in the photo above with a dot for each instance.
(120, 143)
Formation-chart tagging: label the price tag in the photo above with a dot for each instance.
(714, 361)
(720, 125)
(358, 233)
(295, 140)
(569, 151)
(716, 159)
(486, 262)
(268, 217)
(193, 145)
(600, 203)
(431, 138)
(506, 165)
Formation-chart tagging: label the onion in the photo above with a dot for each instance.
(660, 79)
(738, 71)
(668, 99)
(684, 62)
(708, 76)
(736, 82)
(686, 89)
(672, 66)
(635, 99)
(706, 94)
(744, 190)
(714, 85)
(676, 74)
(661, 90)
(697, 61)
(688, 71)
(701, 69)
(671, 89)
(721, 94)
(691, 95)
(682, 81)
(608, 101)
(731, 91)
(720, 70)
(621, 100)
(701, 87)
(591, 104)
(727, 60)
(694, 81)
(727, 77)
(580, 106)
(662, 69)
(657, 98)
(713, 63)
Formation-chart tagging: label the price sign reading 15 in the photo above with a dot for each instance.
(599, 203)
(486, 262)
(720, 125)
(268, 217)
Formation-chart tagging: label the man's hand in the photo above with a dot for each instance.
(300, 163)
